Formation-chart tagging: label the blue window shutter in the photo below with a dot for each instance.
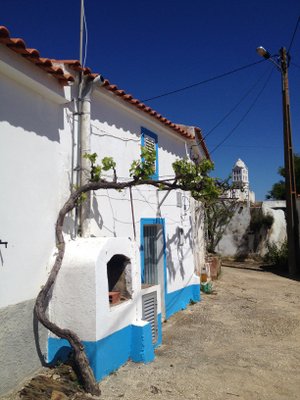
(150, 139)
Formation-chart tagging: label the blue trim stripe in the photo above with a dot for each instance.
(108, 354)
(142, 347)
(178, 300)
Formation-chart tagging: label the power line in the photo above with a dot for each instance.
(234, 107)
(252, 147)
(294, 34)
(205, 81)
(245, 114)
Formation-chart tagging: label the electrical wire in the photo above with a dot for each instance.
(214, 78)
(234, 107)
(252, 147)
(245, 114)
(294, 34)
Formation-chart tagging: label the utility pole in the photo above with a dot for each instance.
(292, 218)
(290, 181)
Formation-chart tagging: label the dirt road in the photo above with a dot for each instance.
(242, 342)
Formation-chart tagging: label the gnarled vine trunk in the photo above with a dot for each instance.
(85, 372)
(86, 375)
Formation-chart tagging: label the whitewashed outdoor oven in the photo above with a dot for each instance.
(98, 295)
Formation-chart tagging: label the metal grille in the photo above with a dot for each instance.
(149, 143)
(149, 302)
(150, 254)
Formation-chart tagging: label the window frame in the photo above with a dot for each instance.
(144, 133)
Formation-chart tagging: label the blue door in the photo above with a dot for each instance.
(153, 254)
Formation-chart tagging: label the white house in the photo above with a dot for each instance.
(136, 262)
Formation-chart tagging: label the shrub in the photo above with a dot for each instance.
(277, 255)
(259, 221)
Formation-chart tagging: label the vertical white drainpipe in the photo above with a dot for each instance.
(85, 165)
(84, 144)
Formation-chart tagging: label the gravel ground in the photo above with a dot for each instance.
(241, 341)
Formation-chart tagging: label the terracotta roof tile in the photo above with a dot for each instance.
(19, 46)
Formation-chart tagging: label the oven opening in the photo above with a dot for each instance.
(119, 279)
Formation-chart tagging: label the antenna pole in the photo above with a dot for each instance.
(81, 32)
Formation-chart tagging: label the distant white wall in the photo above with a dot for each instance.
(235, 238)
(239, 240)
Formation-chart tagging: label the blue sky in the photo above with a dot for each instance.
(152, 47)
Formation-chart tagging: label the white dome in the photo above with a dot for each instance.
(240, 164)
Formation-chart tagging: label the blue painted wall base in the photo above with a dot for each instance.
(142, 349)
(178, 300)
(108, 354)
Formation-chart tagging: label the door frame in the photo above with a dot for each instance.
(155, 221)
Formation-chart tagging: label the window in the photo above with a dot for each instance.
(149, 140)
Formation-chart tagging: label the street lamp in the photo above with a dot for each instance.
(282, 63)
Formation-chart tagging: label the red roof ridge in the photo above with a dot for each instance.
(18, 45)
(76, 66)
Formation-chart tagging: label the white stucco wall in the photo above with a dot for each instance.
(116, 131)
(34, 167)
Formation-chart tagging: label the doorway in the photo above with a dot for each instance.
(153, 255)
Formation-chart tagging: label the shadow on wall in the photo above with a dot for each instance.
(170, 262)
(30, 111)
(256, 236)
(171, 265)
(114, 117)
(95, 213)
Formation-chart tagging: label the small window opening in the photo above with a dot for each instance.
(119, 279)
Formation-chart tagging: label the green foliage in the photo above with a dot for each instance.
(277, 255)
(96, 169)
(108, 163)
(194, 177)
(143, 168)
(260, 221)
(82, 198)
(91, 157)
(278, 189)
(189, 176)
